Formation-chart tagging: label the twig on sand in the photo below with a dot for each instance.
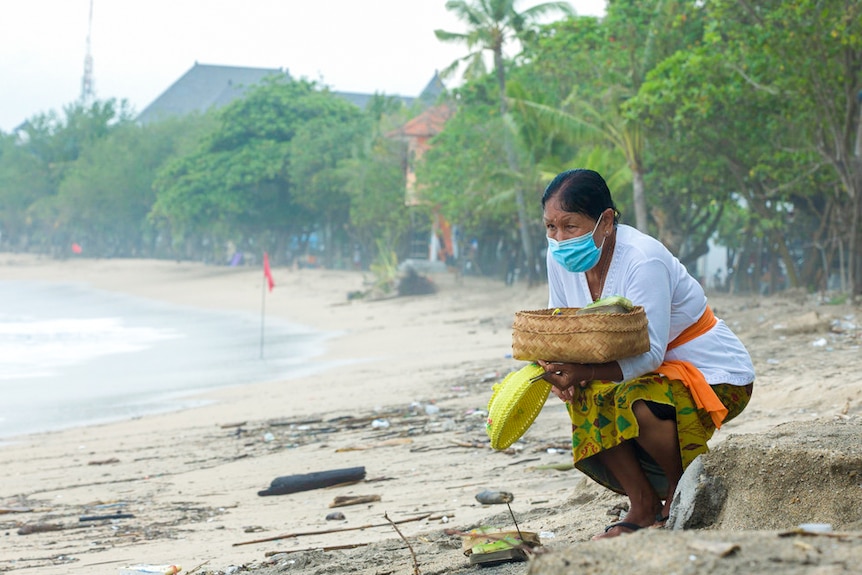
(520, 461)
(470, 444)
(327, 548)
(324, 531)
(345, 500)
(401, 535)
(465, 485)
(198, 567)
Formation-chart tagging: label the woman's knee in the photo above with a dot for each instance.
(650, 411)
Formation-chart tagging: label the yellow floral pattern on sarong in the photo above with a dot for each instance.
(602, 418)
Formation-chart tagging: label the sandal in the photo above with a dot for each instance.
(632, 527)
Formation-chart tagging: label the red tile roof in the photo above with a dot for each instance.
(428, 123)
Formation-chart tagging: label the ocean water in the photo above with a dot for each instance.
(71, 355)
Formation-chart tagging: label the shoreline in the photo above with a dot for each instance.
(93, 356)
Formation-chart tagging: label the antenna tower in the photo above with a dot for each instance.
(87, 93)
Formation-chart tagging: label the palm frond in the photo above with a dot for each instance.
(450, 37)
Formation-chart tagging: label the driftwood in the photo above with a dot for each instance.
(324, 531)
(40, 528)
(4, 510)
(345, 500)
(104, 461)
(307, 481)
(229, 425)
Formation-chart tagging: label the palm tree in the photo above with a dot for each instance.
(608, 125)
(492, 24)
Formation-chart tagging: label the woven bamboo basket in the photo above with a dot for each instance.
(553, 335)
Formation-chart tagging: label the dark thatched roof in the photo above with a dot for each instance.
(203, 87)
(207, 86)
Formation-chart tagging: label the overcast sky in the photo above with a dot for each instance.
(140, 47)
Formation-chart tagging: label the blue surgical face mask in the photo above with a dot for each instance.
(578, 254)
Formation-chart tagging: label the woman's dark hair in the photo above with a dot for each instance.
(581, 191)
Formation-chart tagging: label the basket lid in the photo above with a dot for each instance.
(515, 404)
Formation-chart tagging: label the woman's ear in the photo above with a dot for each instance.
(608, 220)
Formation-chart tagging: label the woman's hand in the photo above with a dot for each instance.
(565, 378)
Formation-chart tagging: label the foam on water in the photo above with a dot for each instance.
(39, 348)
(72, 355)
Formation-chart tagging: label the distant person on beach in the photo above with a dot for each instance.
(638, 422)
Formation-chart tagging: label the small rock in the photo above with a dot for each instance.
(488, 497)
(335, 516)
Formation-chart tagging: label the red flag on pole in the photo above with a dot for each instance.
(267, 273)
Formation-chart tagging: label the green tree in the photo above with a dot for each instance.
(587, 69)
(107, 192)
(806, 54)
(24, 179)
(462, 173)
(374, 180)
(46, 148)
(492, 24)
(238, 184)
(317, 151)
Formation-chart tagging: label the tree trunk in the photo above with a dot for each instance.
(639, 196)
(787, 258)
(512, 161)
(853, 255)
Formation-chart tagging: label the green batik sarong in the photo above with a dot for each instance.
(602, 418)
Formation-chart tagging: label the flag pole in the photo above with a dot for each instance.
(262, 311)
(267, 282)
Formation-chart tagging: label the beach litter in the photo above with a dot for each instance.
(491, 545)
(106, 517)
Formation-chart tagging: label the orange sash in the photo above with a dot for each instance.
(684, 371)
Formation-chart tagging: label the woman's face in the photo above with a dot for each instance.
(562, 225)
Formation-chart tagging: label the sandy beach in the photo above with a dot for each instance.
(402, 394)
